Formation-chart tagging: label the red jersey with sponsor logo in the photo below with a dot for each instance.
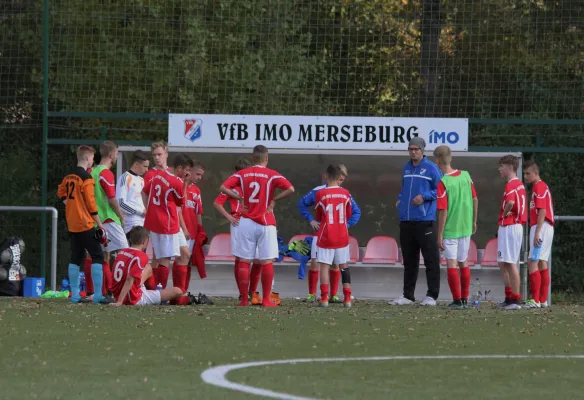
(129, 262)
(235, 205)
(192, 207)
(152, 172)
(541, 199)
(258, 185)
(442, 195)
(515, 192)
(333, 209)
(165, 195)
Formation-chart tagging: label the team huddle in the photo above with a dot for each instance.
(162, 208)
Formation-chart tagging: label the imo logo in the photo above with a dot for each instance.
(193, 129)
(443, 137)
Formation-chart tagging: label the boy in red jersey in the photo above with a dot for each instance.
(333, 209)
(191, 213)
(541, 235)
(256, 236)
(131, 269)
(164, 195)
(233, 219)
(512, 216)
(160, 156)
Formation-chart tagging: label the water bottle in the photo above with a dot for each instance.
(65, 285)
(82, 282)
(159, 286)
(536, 251)
(475, 293)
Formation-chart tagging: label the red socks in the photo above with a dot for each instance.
(236, 268)
(545, 285)
(324, 292)
(254, 279)
(163, 273)
(243, 282)
(508, 292)
(535, 285)
(87, 271)
(347, 295)
(335, 279)
(454, 283)
(107, 278)
(312, 281)
(179, 277)
(150, 283)
(181, 301)
(465, 282)
(267, 278)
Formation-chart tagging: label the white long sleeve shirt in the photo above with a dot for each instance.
(129, 196)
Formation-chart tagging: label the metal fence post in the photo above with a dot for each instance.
(45, 150)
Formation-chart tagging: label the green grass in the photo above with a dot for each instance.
(54, 350)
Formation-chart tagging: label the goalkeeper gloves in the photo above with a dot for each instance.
(300, 246)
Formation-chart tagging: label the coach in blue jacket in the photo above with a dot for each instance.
(417, 213)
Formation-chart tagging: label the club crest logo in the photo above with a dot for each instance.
(193, 129)
(422, 171)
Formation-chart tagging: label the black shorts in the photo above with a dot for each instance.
(81, 241)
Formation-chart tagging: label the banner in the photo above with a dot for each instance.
(327, 133)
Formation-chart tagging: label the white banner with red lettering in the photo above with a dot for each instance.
(302, 132)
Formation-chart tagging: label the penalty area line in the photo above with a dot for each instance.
(217, 376)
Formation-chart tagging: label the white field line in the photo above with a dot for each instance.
(216, 376)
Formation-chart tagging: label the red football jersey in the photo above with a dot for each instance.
(333, 209)
(165, 194)
(514, 191)
(235, 205)
(191, 208)
(129, 262)
(258, 185)
(442, 196)
(541, 199)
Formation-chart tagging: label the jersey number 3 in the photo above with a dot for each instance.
(157, 191)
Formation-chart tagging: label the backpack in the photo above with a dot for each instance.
(12, 273)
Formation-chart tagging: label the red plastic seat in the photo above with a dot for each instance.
(220, 248)
(381, 250)
(302, 236)
(490, 255)
(472, 255)
(353, 249)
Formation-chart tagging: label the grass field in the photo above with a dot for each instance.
(53, 350)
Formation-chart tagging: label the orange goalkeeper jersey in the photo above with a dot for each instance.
(77, 190)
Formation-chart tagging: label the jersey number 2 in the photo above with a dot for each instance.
(255, 187)
(331, 216)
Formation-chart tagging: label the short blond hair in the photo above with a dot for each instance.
(107, 148)
(344, 170)
(443, 155)
(156, 145)
(83, 151)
